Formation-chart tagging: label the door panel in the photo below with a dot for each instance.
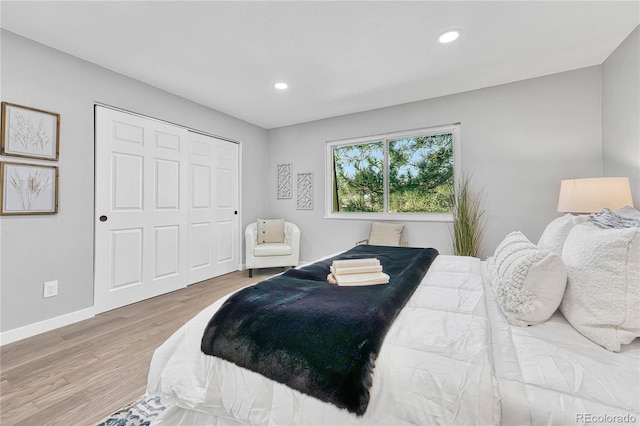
(225, 236)
(200, 186)
(200, 245)
(126, 257)
(166, 208)
(226, 212)
(167, 185)
(127, 171)
(223, 188)
(213, 231)
(141, 190)
(166, 245)
(167, 141)
(127, 132)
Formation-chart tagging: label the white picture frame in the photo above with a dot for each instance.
(304, 184)
(283, 183)
(28, 189)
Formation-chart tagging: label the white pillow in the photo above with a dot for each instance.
(557, 231)
(385, 234)
(528, 282)
(603, 287)
(270, 231)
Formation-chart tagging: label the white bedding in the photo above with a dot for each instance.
(449, 358)
(551, 374)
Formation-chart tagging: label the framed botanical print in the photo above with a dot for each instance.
(28, 189)
(29, 132)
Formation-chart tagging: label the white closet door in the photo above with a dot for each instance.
(213, 202)
(141, 226)
(226, 205)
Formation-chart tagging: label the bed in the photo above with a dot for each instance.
(451, 356)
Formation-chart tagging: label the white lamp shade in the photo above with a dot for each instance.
(594, 194)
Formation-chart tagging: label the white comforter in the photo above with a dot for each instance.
(449, 358)
(551, 374)
(435, 367)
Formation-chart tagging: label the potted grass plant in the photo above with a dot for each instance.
(468, 219)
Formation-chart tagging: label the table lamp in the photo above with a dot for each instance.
(594, 194)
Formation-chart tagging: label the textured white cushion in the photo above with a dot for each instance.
(603, 286)
(385, 234)
(557, 231)
(528, 282)
(272, 249)
(270, 231)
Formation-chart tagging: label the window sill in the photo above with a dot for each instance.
(396, 217)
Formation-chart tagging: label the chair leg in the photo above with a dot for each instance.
(250, 272)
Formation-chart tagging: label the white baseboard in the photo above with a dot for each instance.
(30, 330)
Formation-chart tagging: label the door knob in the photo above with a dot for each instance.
(235, 212)
(103, 218)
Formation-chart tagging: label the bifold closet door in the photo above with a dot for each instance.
(213, 203)
(141, 224)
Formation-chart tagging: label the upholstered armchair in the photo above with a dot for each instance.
(275, 244)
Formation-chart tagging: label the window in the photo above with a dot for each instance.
(409, 174)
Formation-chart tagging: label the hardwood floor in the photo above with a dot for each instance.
(82, 373)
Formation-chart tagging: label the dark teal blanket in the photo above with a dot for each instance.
(318, 338)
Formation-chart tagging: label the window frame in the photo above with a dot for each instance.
(454, 129)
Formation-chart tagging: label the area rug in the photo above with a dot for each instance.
(138, 413)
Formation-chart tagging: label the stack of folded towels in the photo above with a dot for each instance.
(353, 272)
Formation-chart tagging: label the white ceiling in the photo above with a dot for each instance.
(337, 57)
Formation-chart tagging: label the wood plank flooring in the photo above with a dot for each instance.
(82, 373)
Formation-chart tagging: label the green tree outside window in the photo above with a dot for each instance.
(419, 175)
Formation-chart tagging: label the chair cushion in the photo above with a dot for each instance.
(270, 231)
(385, 234)
(272, 249)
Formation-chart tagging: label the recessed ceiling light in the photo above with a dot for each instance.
(449, 36)
(281, 86)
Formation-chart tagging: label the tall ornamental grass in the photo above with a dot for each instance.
(468, 219)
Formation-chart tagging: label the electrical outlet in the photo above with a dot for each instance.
(50, 289)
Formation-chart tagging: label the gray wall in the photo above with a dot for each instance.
(36, 249)
(621, 112)
(518, 141)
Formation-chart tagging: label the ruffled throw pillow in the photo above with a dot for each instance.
(528, 282)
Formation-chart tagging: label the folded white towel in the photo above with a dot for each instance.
(362, 279)
(357, 270)
(338, 265)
